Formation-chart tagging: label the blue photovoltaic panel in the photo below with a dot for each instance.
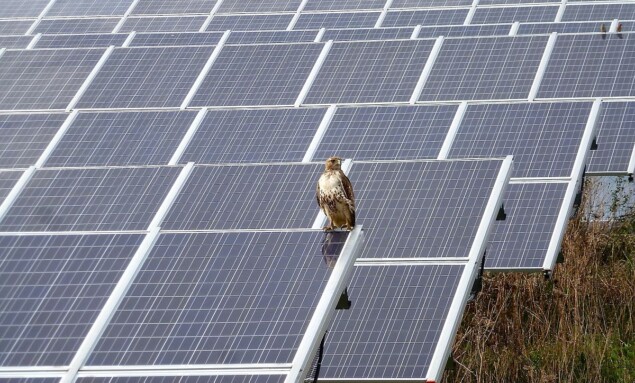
(615, 138)
(76, 26)
(257, 135)
(367, 34)
(514, 14)
(421, 209)
(337, 20)
(598, 12)
(339, 5)
(465, 31)
(394, 324)
(146, 77)
(21, 8)
(245, 75)
(168, 7)
(373, 71)
(263, 22)
(23, 137)
(543, 138)
(121, 139)
(425, 17)
(428, 3)
(90, 199)
(269, 37)
(89, 8)
(246, 197)
(8, 180)
(15, 42)
(175, 39)
(51, 290)
(163, 24)
(543, 28)
(219, 298)
(258, 6)
(44, 79)
(387, 133)
(81, 41)
(15, 27)
(484, 68)
(514, 2)
(180, 379)
(590, 66)
(29, 380)
(522, 239)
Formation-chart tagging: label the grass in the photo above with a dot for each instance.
(578, 326)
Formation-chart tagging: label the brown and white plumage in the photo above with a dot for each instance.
(335, 196)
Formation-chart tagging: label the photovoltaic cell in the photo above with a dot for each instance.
(23, 137)
(52, 289)
(513, 14)
(596, 12)
(543, 138)
(258, 6)
(337, 20)
(8, 180)
(219, 298)
(270, 37)
(339, 5)
(367, 34)
(465, 31)
(374, 71)
(522, 239)
(543, 28)
(15, 42)
(428, 3)
(421, 209)
(615, 138)
(425, 17)
(590, 66)
(246, 197)
(21, 8)
(262, 22)
(146, 77)
(510, 2)
(484, 68)
(163, 24)
(44, 79)
(121, 139)
(76, 26)
(181, 379)
(175, 39)
(257, 135)
(81, 41)
(90, 199)
(168, 7)
(15, 27)
(89, 8)
(394, 324)
(245, 75)
(387, 133)
(29, 380)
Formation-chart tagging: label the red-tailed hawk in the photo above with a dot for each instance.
(335, 196)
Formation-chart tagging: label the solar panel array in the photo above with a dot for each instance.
(158, 162)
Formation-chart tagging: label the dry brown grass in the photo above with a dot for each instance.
(579, 326)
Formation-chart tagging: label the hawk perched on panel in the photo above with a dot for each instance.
(335, 196)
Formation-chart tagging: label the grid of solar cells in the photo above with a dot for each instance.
(257, 6)
(590, 66)
(180, 379)
(595, 12)
(258, 135)
(175, 39)
(538, 28)
(522, 240)
(465, 31)
(246, 197)
(373, 71)
(212, 298)
(513, 14)
(270, 37)
(510, 2)
(250, 22)
(163, 24)
(44, 79)
(146, 77)
(615, 138)
(81, 41)
(52, 289)
(29, 380)
(90, 199)
(339, 5)
(21, 8)
(484, 68)
(15, 42)
(8, 180)
(337, 20)
(543, 138)
(367, 34)
(23, 137)
(429, 3)
(257, 75)
(15, 27)
(387, 133)
(394, 324)
(168, 7)
(76, 26)
(128, 138)
(424, 17)
(89, 8)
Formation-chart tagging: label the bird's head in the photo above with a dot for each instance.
(334, 163)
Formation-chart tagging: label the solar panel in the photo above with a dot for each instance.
(465, 31)
(257, 135)
(543, 138)
(182, 379)
(510, 2)
(15, 42)
(218, 298)
(484, 68)
(175, 39)
(270, 37)
(513, 14)
(44, 79)
(429, 3)
(425, 17)
(597, 12)
(21, 8)
(88, 8)
(544, 28)
(615, 139)
(337, 20)
(90, 199)
(121, 139)
(258, 6)
(374, 71)
(53, 288)
(263, 22)
(367, 34)
(23, 137)
(340, 5)
(8, 179)
(163, 24)
(145, 77)
(522, 240)
(76, 26)
(81, 41)
(257, 75)
(167, 7)
(590, 66)
(387, 133)
(246, 197)
(29, 380)
(15, 27)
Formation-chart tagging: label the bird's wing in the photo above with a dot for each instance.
(348, 187)
(317, 194)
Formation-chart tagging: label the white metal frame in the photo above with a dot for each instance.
(313, 74)
(427, 69)
(319, 134)
(90, 78)
(542, 67)
(454, 128)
